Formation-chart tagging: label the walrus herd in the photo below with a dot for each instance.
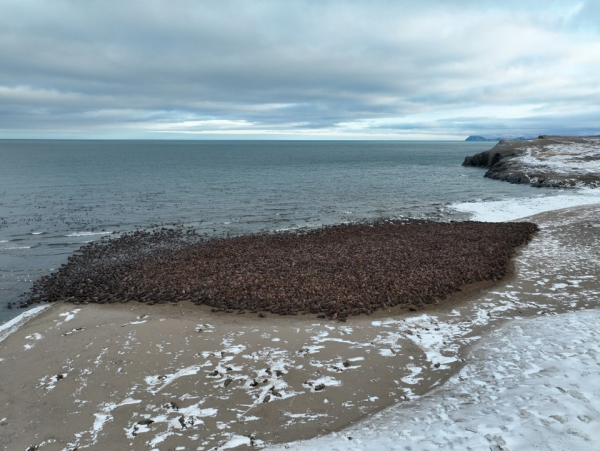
(333, 271)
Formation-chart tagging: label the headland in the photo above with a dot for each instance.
(548, 161)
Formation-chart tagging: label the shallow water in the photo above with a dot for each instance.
(57, 195)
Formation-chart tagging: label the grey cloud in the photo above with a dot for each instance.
(574, 124)
(328, 62)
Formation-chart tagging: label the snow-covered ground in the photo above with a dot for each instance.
(567, 158)
(532, 384)
(513, 209)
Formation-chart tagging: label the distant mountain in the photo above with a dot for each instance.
(500, 137)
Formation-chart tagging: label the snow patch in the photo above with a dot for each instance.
(513, 209)
(15, 324)
(68, 316)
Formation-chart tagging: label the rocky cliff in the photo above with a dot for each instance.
(548, 161)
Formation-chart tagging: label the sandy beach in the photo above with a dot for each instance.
(132, 376)
(299, 225)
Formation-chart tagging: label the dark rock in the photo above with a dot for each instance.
(494, 156)
(145, 422)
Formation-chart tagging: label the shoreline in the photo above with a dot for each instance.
(321, 376)
(493, 211)
(42, 243)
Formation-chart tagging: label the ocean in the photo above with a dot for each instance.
(57, 195)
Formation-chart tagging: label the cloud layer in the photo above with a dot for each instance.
(298, 69)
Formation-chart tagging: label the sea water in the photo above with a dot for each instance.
(56, 196)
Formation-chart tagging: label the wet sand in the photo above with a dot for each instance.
(133, 376)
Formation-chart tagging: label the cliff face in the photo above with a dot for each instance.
(548, 161)
(490, 158)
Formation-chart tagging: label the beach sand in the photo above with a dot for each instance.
(132, 376)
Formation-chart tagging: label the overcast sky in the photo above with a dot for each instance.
(423, 69)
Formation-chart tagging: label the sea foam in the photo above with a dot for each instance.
(512, 209)
(87, 233)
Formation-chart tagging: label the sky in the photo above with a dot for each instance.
(298, 69)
